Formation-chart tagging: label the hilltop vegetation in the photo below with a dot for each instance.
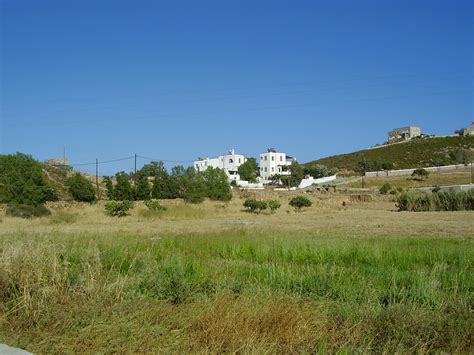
(422, 152)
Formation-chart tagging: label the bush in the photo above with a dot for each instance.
(118, 208)
(27, 211)
(255, 206)
(154, 206)
(23, 182)
(274, 205)
(385, 189)
(438, 201)
(420, 174)
(299, 202)
(80, 188)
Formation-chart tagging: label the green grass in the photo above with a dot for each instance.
(240, 290)
(418, 153)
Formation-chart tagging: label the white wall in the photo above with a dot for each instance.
(229, 163)
(407, 172)
(311, 181)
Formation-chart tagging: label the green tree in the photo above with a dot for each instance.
(22, 181)
(142, 187)
(296, 174)
(248, 171)
(217, 184)
(194, 188)
(123, 189)
(110, 187)
(80, 188)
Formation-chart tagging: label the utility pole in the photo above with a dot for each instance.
(97, 177)
(135, 169)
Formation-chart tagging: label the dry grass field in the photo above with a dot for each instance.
(214, 278)
(455, 177)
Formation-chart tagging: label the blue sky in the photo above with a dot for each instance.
(180, 79)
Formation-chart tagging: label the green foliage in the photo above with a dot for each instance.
(123, 189)
(424, 152)
(255, 206)
(118, 208)
(217, 184)
(154, 205)
(420, 174)
(274, 205)
(80, 188)
(318, 171)
(248, 171)
(26, 211)
(437, 201)
(22, 181)
(166, 186)
(385, 189)
(110, 187)
(299, 202)
(142, 187)
(296, 174)
(194, 188)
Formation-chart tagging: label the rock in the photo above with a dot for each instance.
(7, 350)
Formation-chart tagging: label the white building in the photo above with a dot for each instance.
(273, 162)
(229, 163)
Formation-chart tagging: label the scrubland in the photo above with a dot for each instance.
(213, 278)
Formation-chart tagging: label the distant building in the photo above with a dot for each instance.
(466, 131)
(403, 134)
(229, 163)
(273, 162)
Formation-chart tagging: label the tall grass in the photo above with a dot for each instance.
(437, 201)
(236, 291)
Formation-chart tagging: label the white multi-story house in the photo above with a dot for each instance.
(229, 163)
(273, 162)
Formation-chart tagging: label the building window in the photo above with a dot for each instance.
(265, 158)
(239, 160)
(273, 169)
(230, 161)
(279, 170)
(265, 169)
(281, 157)
(273, 158)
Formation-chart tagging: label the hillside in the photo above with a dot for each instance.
(422, 152)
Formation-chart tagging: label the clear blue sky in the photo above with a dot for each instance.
(181, 79)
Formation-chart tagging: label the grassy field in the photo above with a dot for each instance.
(455, 177)
(212, 278)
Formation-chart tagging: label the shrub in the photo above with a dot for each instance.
(118, 208)
(274, 205)
(154, 206)
(142, 187)
(299, 202)
(420, 174)
(248, 171)
(80, 188)
(23, 182)
(255, 206)
(217, 184)
(436, 188)
(123, 189)
(385, 189)
(438, 201)
(27, 211)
